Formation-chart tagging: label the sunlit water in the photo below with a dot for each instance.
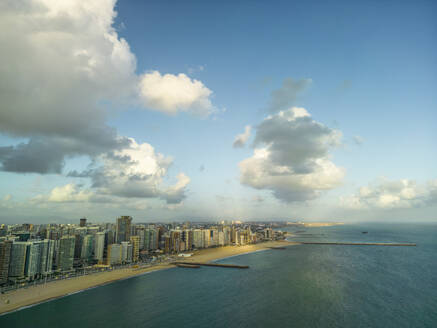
(301, 286)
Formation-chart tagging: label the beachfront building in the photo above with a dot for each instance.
(140, 233)
(123, 231)
(33, 258)
(114, 254)
(46, 261)
(135, 242)
(126, 252)
(187, 239)
(99, 246)
(175, 241)
(198, 238)
(150, 238)
(214, 237)
(154, 239)
(66, 253)
(221, 238)
(206, 238)
(87, 248)
(5, 256)
(18, 260)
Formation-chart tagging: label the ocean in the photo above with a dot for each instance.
(301, 286)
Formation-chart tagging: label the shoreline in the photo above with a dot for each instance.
(34, 295)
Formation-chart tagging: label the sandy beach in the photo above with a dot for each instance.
(41, 293)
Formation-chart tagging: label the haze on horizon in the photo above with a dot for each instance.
(251, 110)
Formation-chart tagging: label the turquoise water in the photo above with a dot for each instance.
(301, 286)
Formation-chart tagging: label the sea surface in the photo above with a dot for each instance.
(301, 286)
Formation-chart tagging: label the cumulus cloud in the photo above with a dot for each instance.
(69, 193)
(291, 157)
(286, 96)
(171, 94)
(63, 66)
(135, 172)
(176, 193)
(60, 60)
(72, 195)
(391, 194)
(47, 154)
(241, 139)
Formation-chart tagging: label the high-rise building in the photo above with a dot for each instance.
(147, 239)
(123, 228)
(87, 248)
(187, 239)
(33, 260)
(99, 246)
(47, 251)
(79, 235)
(214, 237)
(126, 252)
(206, 238)
(221, 238)
(135, 241)
(140, 234)
(82, 222)
(5, 256)
(17, 261)
(66, 253)
(114, 254)
(198, 238)
(154, 238)
(175, 241)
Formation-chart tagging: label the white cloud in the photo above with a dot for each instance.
(69, 193)
(60, 60)
(76, 195)
(135, 172)
(287, 94)
(63, 66)
(291, 157)
(241, 139)
(387, 194)
(171, 94)
(176, 193)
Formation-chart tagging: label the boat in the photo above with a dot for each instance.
(364, 231)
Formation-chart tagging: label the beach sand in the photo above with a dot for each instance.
(41, 293)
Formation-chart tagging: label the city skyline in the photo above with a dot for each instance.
(33, 253)
(184, 111)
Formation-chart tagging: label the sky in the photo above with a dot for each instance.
(202, 110)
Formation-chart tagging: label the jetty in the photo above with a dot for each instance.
(357, 244)
(190, 264)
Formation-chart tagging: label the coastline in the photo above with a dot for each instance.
(34, 295)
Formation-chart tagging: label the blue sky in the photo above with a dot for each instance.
(373, 74)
